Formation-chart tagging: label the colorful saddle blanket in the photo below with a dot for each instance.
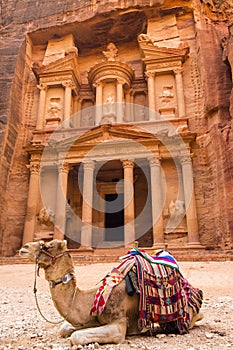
(164, 293)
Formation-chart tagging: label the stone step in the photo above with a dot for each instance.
(105, 256)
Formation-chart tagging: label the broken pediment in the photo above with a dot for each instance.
(68, 65)
(152, 52)
(58, 48)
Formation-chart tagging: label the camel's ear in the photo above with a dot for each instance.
(64, 244)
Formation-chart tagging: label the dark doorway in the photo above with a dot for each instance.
(114, 217)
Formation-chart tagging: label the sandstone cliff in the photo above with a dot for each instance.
(211, 65)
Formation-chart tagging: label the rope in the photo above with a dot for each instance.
(38, 307)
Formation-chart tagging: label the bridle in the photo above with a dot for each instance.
(44, 251)
(53, 284)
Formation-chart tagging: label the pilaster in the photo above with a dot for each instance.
(151, 94)
(180, 92)
(41, 108)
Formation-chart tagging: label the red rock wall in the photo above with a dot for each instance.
(212, 119)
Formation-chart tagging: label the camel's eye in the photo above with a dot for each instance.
(50, 246)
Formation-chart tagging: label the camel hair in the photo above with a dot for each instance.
(120, 316)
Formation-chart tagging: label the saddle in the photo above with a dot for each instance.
(164, 294)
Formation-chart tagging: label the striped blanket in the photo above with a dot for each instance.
(164, 293)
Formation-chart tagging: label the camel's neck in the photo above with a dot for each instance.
(61, 266)
(72, 303)
(63, 293)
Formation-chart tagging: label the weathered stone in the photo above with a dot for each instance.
(56, 60)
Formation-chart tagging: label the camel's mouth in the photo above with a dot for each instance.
(23, 252)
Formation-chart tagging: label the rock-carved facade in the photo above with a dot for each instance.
(119, 133)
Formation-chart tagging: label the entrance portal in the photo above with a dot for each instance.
(114, 217)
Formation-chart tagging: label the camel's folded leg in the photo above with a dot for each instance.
(195, 318)
(111, 333)
(66, 329)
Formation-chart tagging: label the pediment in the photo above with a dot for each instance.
(150, 51)
(69, 63)
(106, 133)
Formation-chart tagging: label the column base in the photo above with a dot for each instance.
(130, 246)
(85, 248)
(195, 245)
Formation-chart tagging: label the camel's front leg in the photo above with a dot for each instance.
(112, 333)
(66, 329)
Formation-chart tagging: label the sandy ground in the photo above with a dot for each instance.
(22, 327)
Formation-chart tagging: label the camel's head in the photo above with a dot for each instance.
(43, 253)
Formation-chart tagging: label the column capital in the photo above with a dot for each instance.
(120, 81)
(185, 159)
(178, 70)
(150, 74)
(42, 86)
(127, 163)
(98, 84)
(89, 165)
(63, 167)
(68, 83)
(34, 168)
(154, 161)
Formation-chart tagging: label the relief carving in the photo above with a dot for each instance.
(167, 95)
(54, 111)
(145, 38)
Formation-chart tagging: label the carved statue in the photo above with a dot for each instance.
(111, 52)
(177, 211)
(109, 105)
(145, 38)
(45, 216)
(182, 128)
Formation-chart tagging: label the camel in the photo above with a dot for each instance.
(121, 313)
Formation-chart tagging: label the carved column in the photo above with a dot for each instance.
(190, 202)
(119, 101)
(33, 194)
(132, 106)
(151, 94)
(77, 116)
(99, 102)
(129, 228)
(41, 108)
(86, 233)
(156, 203)
(68, 96)
(128, 106)
(60, 218)
(180, 92)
